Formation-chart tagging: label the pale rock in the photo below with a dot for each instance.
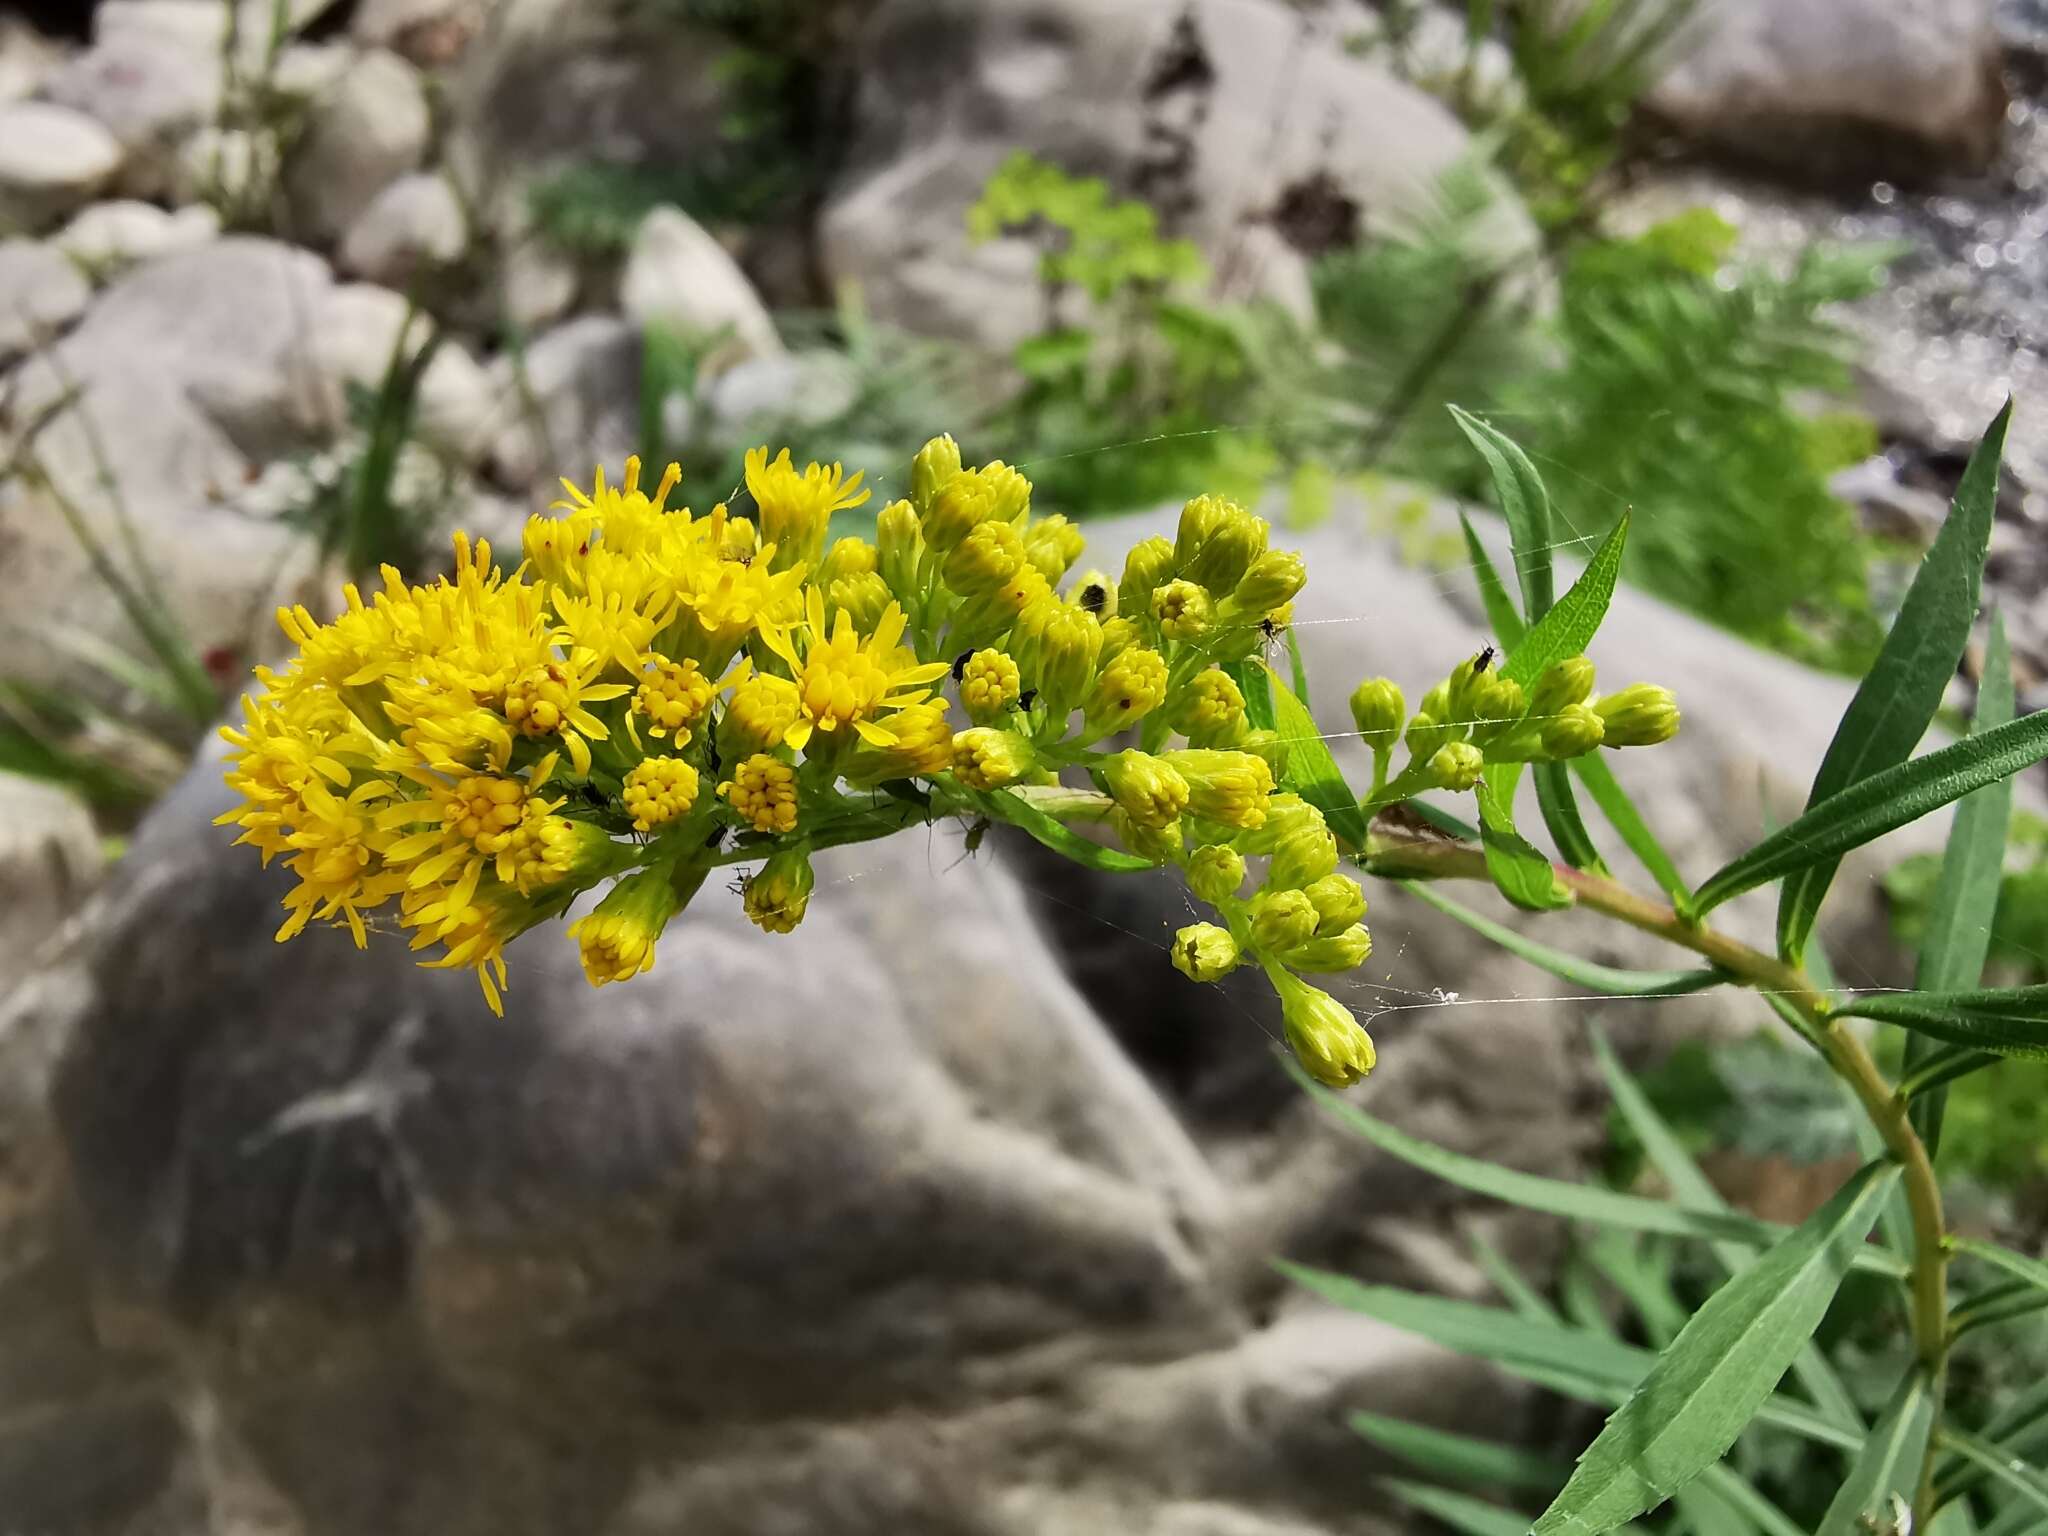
(49, 860)
(52, 159)
(537, 284)
(794, 389)
(680, 278)
(415, 27)
(153, 76)
(304, 71)
(370, 129)
(41, 292)
(108, 238)
(583, 380)
(413, 225)
(224, 168)
(1844, 88)
(27, 58)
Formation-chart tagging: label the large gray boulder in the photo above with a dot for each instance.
(1245, 123)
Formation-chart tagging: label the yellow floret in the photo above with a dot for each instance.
(762, 792)
(659, 791)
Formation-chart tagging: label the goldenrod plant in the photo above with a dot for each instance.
(650, 695)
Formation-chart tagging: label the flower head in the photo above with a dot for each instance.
(846, 679)
(777, 897)
(795, 509)
(762, 793)
(617, 939)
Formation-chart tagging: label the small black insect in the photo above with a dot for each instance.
(1269, 629)
(594, 797)
(1026, 699)
(960, 665)
(1094, 597)
(738, 884)
(1485, 660)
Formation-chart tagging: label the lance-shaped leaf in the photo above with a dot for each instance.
(1001, 805)
(1518, 867)
(1719, 1371)
(1879, 804)
(1256, 684)
(1312, 772)
(2001, 1466)
(1889, 1462)
(1569, 627)
(2033, 1271)
(2011, 1021)
(1523, 502)
(1591, 974)
(1966, 895)
(1501, 613)
(1459, 1458)
(1898, 696)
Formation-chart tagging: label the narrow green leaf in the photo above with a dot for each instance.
(1561, 1197)
(1519, 869)
(1296, 669)
(1707, 1387)
(1500, 608)
(1604, 979)
(1566, 1360)
(1702, 1513)
(1001, 805)
(2027, 1412)
(1514, 1289)
(1889, 1461)
(1897, 698)
(1966, 895)
(1567, 629)
(1945, 1066)
(2020, 1429)
(1524, 503)
(1561, 817)
(1312, 772)
(2018, 1518)
(2011, 1021)
(1646, 1286)
(1460, 1511)
(1460, 1458)
(2018, 1265)
(2001, 1466)
(2000, 1304)
(1693, 1190)
(1879, 804)
(1736, 1491)
(1256, 684)
(1622, 815)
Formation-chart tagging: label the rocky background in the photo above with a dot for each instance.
(952, 1213)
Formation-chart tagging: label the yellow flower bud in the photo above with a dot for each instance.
(1286, 814)
(1561, 685)
(983, 620)
(1344, 950)
(1378, 709)
(989, 685)
(1216, 542)
(617, 939)
(1268, 747)
(1281, 920)
(899, 544)
(1305, 854)
(1497, 708)
(1056, 647)
(1457, 767)
(1273, 580)
(1573, 731)
(673, 697)
(1119, 635)
(985, 758)
(1144, 788)
(1128, 688)
(993, 493)
(923, 747)
(1339, 902)
(1230, 787)
(1460, 705)
(657, 791)
(863, 597)
(937, 462)
(985, 559)
(1210, 711)
(762, 709)
(1641, 715)
(1094, 591)
(1426, 735)
(1215, 873)
(1327, 1040)
(847, 557)
(762, 793)
(776, 898)
(1053, 544)
(1182, 610)
(1148, 565)
(739, 539)
(1204, 952)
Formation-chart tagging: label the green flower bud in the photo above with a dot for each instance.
(986, 758)
(1148, 565)
(899, 544)
(1286, 814)
(1268, 747)
(1339, 902)
(1200, 521)
(1210, 710)
(985, 559)
(1204, 952)
(1149, 791)
(1273, 580)
(1497, 708)
(1327, 1040)
(993, 493)
(1563, 684)
(1344, 950)
(1457, 767)
(1306, 854)
(1641, 715)
(1230, 787)
(862, 597)
(1228, 551)
(847, 557)
(1094, 591)
(1182, 610)
(1436, 703)
(1118, 635)
(1162, 845)
(1056, 647)
(1426, 736)
(1282, 920)
(989, 685)
(937, 462)
(1379, 709)
(1129, 687)
(1461, 705)
(1053, 544)
(1215, 873)
(1573, 731)
(776, 898)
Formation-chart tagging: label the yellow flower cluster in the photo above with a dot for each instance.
(652, 693)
